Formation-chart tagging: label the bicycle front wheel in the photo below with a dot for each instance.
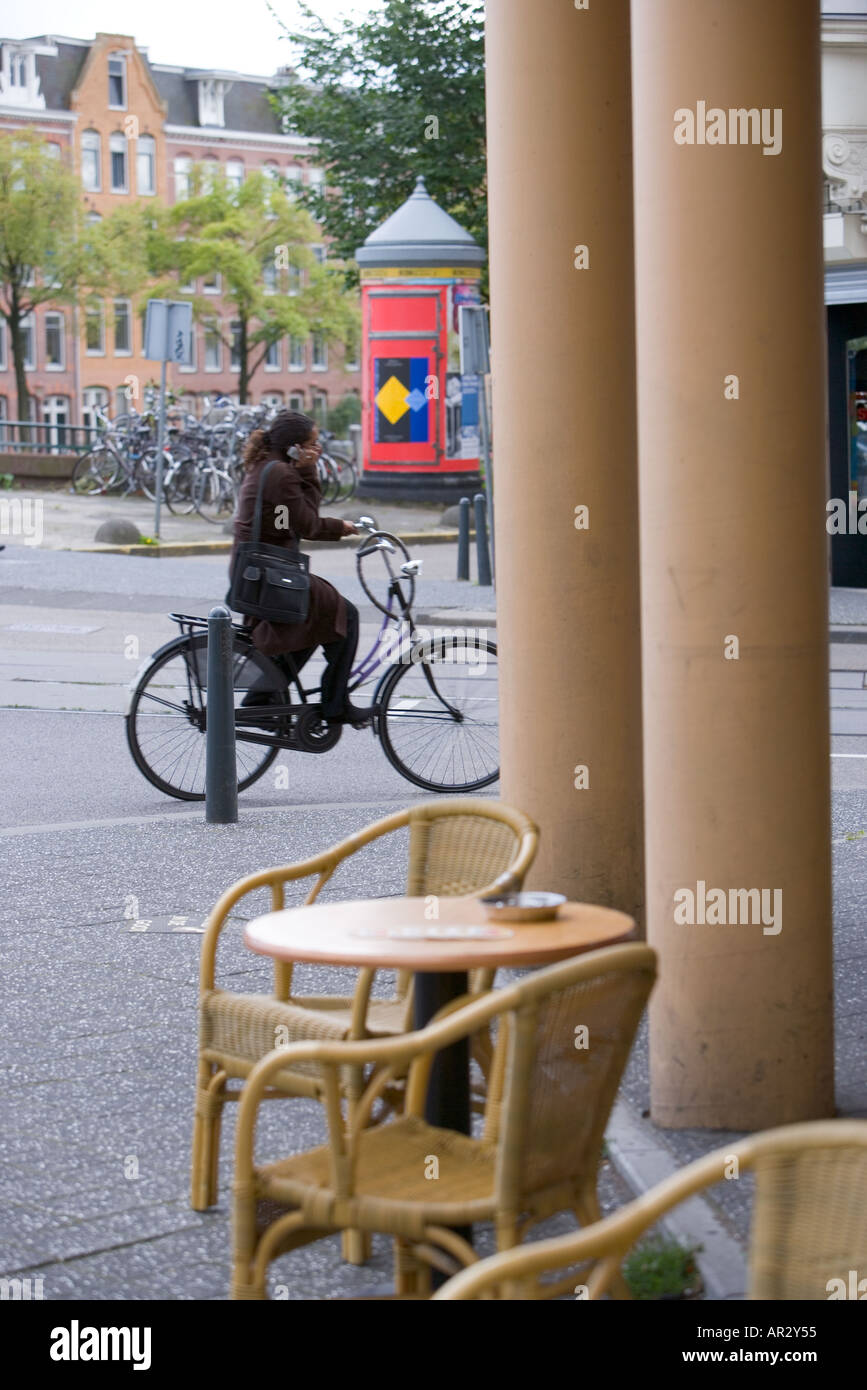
(439, 716)
(167, 718)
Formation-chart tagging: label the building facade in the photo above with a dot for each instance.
(133, 129)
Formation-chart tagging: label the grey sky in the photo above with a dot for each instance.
(240, 35)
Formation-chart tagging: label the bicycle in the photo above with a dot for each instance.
(437, 695)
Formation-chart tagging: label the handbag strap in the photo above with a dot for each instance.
(256, 533)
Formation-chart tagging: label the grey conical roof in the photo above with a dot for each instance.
(420, 233)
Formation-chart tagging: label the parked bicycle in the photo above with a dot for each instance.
(437, 695)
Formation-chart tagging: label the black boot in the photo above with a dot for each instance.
(337, 707)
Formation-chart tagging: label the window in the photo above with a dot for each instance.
(297, 355)
(183, 167)
(316, 180)
(55, 414)
(269, 276)
(94, 329)
(122, 328)
(191, 365)
(320, 409)
(212, 283)
(320, 353)
(235, 348)
(117, 154)
(318, 253)
(94, 398)
(19, 84)
(295, 277)
(273, 400)
(234, 173)
(91, 158)
(213, 349)
(28, 342)
(296, 400)
(117, 82)
(271, 170)
(352, 358)
(211, 94)
(146, 164)
(294, 180)
(210, 173)
(54, 342)
(52, 148)
(272, 358)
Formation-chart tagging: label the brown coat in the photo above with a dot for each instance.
(297, 489)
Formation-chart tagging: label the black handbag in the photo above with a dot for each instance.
(269, 581)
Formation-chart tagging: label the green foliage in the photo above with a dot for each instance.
(347, 412)
(372, 94)
(258, 240)
(661, 1268)
(7, 480)
(48, 252)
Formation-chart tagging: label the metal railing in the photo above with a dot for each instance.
(40, 437)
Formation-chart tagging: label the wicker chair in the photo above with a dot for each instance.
(809, 1220)
(548, 1105)
(458, 845)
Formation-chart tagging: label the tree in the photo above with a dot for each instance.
(41, 250)
(49, 251)
(397, 95)
(259, 241)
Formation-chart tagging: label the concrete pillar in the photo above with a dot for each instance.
(562, 313)
(734, 560)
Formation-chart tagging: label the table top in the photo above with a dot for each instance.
(397, 933)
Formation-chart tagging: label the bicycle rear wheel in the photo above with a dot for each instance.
(167, 718)
(439, 714)
(347, 478)
(95, 472)
(214, 494)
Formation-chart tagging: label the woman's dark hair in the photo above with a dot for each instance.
(288, 428)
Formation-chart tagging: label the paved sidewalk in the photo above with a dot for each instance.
(97, 1079)
(71, 522)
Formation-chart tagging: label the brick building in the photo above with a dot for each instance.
(133, 129)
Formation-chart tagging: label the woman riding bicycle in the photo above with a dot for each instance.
(290, 512)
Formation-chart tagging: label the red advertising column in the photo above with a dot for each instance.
(420, 417)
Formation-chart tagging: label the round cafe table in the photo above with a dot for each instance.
(439, 939)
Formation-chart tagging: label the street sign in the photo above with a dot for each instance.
(473, 331)
(168, 335)
(168, 338)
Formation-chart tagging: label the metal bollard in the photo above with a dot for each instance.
(464, 538)
(221, 770)
(483, 555)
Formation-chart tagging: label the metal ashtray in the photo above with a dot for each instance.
(523, 907)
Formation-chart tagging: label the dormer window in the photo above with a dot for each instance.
(19, 81)
(117, 82)
(212, 92)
